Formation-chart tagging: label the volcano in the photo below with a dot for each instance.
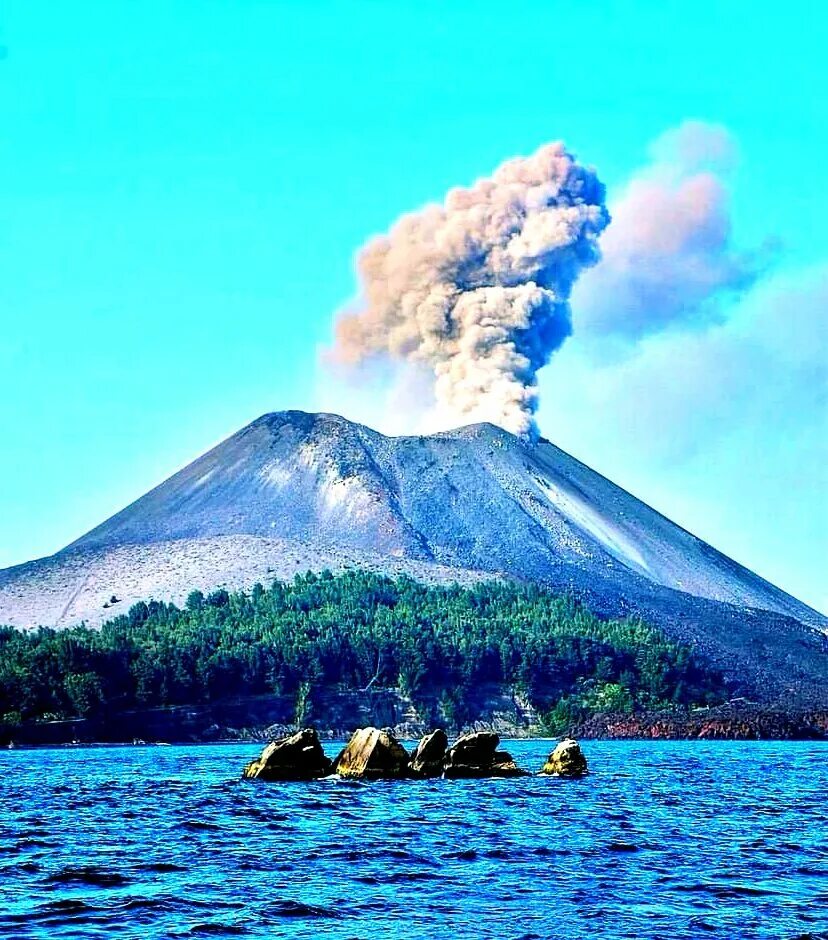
(294, 491)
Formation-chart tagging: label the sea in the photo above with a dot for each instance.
(665, 840)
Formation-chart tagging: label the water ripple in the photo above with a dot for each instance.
(673, 840)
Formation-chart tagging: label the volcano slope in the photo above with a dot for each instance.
(295, 491)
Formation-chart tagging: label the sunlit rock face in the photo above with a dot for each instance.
(372, 754)
(566, 760)
(298, 756)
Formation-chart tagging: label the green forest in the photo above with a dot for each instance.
(352, 631)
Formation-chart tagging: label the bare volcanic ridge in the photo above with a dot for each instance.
(295, 491)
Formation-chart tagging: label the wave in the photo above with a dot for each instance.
(87, 875)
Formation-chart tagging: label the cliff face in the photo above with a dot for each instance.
(295, 491)
(337, 714)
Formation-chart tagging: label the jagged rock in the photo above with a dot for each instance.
(430, 754)
(477, 747)
(476, 755)
(373, 754)
(566, 760)
(295, 757)
(504, 766)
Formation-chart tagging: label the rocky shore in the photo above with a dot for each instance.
(376, 754)
(266, 718)
(731, 722)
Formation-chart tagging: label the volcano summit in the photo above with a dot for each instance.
(295, 491)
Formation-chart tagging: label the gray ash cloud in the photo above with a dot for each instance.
(476, 290)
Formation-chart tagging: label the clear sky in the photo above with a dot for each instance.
(183, 187)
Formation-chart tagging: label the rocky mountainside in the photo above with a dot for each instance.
(293, 491)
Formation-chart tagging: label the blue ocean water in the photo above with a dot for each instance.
(663, 840)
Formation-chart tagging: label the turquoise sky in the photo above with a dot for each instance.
(183, 186)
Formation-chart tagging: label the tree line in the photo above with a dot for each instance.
(353, 631)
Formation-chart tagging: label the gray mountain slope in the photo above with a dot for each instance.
(474, 500)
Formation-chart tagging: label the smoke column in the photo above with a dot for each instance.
(476, 290)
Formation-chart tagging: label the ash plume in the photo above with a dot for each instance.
(668, 259)
(476, 290)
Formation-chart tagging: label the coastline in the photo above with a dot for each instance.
(207, 725)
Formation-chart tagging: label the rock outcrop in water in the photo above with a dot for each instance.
(566, 760)
(373, 754)
(376, 754)
(296, 757)
(428, 758)
(476, 755)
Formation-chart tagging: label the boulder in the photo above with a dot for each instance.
(566, 760)
(476, 755)
(296, 757)
(373, 754)
(477, 747)
(504, 766)
(430, 754)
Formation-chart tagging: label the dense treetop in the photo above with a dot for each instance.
(352, 631)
